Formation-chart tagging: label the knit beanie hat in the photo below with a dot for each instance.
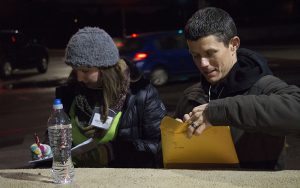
(91, 47)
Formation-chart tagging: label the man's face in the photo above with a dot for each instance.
(213, 58)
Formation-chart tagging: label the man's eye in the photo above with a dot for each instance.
(196, 56)
(210, 53)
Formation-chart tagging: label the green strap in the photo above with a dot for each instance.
(111, 133)
(78, 137)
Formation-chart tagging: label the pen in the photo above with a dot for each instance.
(38, 143)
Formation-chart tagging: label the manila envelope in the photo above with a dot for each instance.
(213, 148)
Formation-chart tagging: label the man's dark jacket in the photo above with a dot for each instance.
(262, 110)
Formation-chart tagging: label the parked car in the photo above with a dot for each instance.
(161, 56)
(18, 51)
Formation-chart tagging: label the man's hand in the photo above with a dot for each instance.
(180, 120)
(197, 120)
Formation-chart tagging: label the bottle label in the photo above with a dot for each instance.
(60, 137)
(96, 119)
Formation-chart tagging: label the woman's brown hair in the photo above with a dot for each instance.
(112, 81)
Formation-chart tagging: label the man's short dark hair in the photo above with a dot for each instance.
(211, 21)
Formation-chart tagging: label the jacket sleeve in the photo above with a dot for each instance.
(274, 111)
(153, 112)
(143, 149)
(192, 97)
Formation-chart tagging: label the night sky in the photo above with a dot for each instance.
(54, 21)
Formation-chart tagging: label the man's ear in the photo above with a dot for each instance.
(234, 43)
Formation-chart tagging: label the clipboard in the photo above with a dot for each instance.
(213, 148)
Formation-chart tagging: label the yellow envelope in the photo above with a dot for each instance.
(213, 148)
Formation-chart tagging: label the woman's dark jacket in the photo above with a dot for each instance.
(262, 110)
(137, 143)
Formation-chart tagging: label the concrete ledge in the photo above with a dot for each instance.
(107, 177)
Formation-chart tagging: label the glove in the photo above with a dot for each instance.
(99, 156)
(90, 131)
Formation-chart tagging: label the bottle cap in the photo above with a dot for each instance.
(57, 104)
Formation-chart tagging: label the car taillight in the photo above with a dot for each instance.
(134, 35)
(13, 39)
(119, 44)
(140, 56)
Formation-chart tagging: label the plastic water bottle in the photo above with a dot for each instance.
(60, 137)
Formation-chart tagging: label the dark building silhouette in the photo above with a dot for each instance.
(54, 21)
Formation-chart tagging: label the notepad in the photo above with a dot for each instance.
(213, 148)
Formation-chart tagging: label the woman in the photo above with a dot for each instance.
(128, 107)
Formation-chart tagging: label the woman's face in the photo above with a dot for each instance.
(89, 76)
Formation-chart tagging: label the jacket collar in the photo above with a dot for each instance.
(249, 68)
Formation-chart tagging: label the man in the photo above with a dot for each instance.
(238, 89)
